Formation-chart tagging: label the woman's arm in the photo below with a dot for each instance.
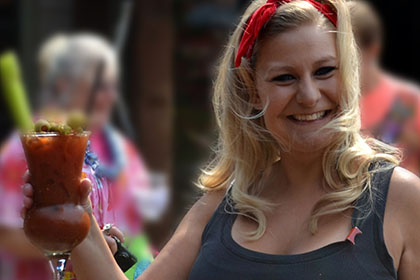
(92, 259)
(178, 256)
(402, 223)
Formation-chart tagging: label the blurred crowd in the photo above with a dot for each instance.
(124, 192)
(80, 71)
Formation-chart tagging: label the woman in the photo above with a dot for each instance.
(294, 191)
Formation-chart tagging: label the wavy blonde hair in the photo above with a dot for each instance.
(246, 151)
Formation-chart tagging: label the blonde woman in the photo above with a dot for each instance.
(294, 191)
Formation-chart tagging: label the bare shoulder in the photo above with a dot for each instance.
(404, 192)
(178, 256)
(402, 222)
(204, 208)
(210, 200)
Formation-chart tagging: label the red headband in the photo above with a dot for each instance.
(261, 16)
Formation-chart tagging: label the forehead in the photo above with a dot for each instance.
(303, 45)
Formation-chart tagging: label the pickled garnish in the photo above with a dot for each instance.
(75, 124)
(42, 126)
(76, 120)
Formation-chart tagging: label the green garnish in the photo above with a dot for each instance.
(76, 120)
(14, 91)
(42, 125)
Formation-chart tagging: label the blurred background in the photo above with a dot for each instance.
(168, 63)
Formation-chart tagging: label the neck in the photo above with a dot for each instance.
(298, 174)
(371, 78)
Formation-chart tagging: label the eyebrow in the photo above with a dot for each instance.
(281, 66)
(327, 58)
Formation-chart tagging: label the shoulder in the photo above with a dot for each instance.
(11, 145)
(404, 191)
(404, 198)
(179, 254)
(12, 163)
(405, 87)
(129, 148)
(402, 216)
(202, 210)
(12, 170)
(122, 139)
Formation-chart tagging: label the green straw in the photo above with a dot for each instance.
(14, 91)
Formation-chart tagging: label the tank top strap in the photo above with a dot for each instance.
(373, 201)
(368, 216)
(225, 207)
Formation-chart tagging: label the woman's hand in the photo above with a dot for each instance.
(110, 231)
(84, 190)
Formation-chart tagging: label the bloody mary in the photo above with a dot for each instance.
(56, 222)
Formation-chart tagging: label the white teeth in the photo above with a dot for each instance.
(312, 117)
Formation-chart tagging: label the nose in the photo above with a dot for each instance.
(308, 93)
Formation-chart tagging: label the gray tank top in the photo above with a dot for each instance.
(220, 257)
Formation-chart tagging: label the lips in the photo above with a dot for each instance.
(310, 117)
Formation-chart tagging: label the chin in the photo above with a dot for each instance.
(307, 143)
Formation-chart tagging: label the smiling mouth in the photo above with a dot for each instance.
(310, 117)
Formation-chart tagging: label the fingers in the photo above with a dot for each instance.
(27, 202)
(112, 244)
(27, 190)
(26, 176)
(114, 231)
(85, 189)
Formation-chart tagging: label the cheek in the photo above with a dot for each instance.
(276, 112)
(332, 89)
(79, 100)
(277, 96)
(105, 100)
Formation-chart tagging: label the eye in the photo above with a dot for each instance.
(283, 78)
(324, 71)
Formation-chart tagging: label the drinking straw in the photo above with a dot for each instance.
(14, 92)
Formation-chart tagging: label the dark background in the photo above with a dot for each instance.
(168, 67)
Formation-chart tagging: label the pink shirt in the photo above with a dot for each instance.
(391, 113)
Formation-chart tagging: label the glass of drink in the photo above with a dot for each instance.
(56, 222)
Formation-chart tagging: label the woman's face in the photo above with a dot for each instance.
(104, 102)
(78, 95)
(297, 71)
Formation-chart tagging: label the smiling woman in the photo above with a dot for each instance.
(294, 190)
(302, 87)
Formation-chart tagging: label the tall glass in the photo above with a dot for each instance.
(56, 222)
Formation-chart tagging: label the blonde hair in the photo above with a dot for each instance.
(246, 151)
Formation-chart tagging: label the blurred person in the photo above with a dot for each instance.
(390, 106)
(69, 65)
(294, 190)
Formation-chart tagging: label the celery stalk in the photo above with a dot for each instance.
(14, 91)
